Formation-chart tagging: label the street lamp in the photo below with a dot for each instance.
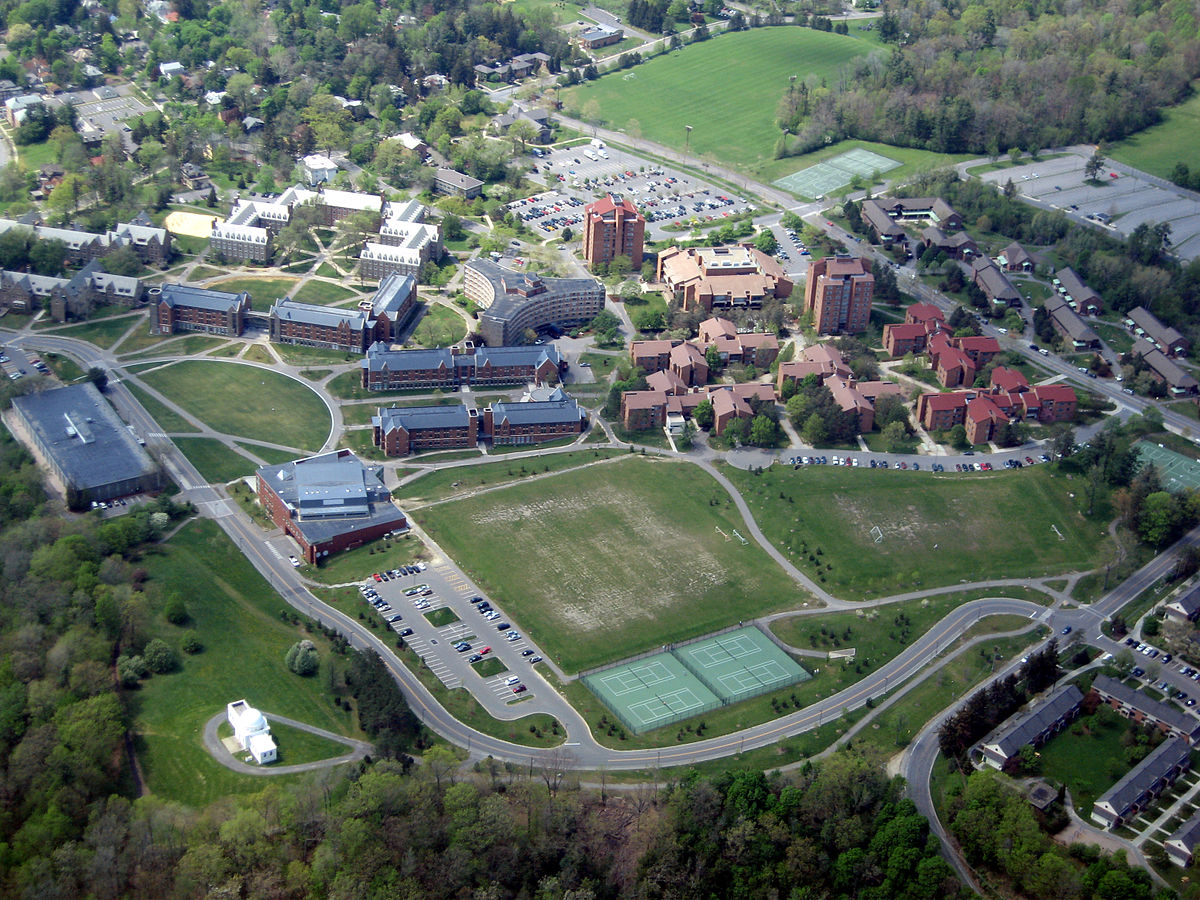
(687, 138)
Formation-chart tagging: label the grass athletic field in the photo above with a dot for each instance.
(727, 89)
(245, 401)
(604, 562)
(937, 530)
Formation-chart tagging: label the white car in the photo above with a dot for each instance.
(295, 562)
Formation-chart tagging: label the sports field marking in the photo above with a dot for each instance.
(820, 179)
(753, 677)
(636, 678)
(722, 651)
(664, 706)
(1176, 470)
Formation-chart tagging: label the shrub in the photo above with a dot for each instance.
(160, 657)
(130, 670)
(303, 659)
(175, 610)
(192, 645)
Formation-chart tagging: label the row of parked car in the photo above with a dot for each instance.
(1165, 658)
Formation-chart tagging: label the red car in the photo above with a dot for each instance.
(520, 689)
(485, 651)
(377, 577)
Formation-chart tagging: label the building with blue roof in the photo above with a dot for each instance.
(176, 307)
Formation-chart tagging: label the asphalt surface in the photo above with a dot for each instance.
(213, 744)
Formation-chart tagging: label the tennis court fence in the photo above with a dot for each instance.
(665, 648)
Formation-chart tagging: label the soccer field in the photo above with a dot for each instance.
(601, 563)
(727, 89)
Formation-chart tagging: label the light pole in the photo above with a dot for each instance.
(687, 138)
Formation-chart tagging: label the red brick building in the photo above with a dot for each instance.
(838, 294)
(182, 307)
(613, 228)
(400, 431)
(328, 503)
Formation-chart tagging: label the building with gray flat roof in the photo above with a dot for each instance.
(77, 434)
(329, 503)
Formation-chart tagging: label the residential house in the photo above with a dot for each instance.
(994, 283)
(1164, 369)
(1181, 845)
(318, 168)
(599, 36)
(1015, 258)
(958, 245)
(1079, 296)
(1144, 784)
(1184, 607)
(1070, 326)
(1137, 706)
(1144, 324)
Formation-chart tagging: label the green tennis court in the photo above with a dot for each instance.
(1177, 471)
(825, 177)
(652, 692)
(740, 664)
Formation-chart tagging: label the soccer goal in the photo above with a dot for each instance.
(876, 534)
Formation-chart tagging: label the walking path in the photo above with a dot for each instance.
(214, 745)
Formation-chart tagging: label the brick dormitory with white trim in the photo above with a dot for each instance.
(385, 369)
(349, 330)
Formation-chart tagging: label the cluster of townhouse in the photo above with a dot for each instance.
(678, 375)
(1138, 788)
(1158, 346)
(176, 308)
(887, 216)
(68, 298)
(720, 278)
(151, 244)
(542, 414)
(405, 242)
(956, 360)
(826, 363)
(1008, 398)
(512, 303)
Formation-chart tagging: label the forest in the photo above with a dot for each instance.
(990, 76)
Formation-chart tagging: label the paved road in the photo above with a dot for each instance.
(213, 744)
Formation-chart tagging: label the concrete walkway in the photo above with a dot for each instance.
(212, 743)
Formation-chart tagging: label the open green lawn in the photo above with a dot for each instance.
(439, 327)
(315, 356)
(263, 291)
(64, 367)
(36, 155)
(440, 618)
(276, 409)
(1156, 150)
(466, 479)
(103, 333)
(200, 273)
(362, 443)
(727, 89)
(270, 455)
(348, 385)
(937, 529)
(602, 365)
(584, 565)
(189, 345)
(322, 292)
(168, 420)
(235, 614)
(1087, 757)
(259, 354)
(216, 462)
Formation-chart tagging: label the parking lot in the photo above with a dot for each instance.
(1122, 200)
(106, 109)
(457, 652)
(663, 195)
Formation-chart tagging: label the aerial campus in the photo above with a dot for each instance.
(619, 450)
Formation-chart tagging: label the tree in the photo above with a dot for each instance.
(1063, 443)
(766, 241)
(64, 199)
(815, 432)
(302, 658)
(712, 357)
(567, 234)
(764, 431)
(1091, 169)
(1159, 519)
(958, 438)
(99, 377)
(702, 415)
(175, 611)
(895, 436)
(211, 200)
(160, 657)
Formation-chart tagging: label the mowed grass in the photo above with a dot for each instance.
(1157, 149)
(727, 89)
(322, 292)
(600, 564)
(216, 462)
(911, 160)
(168, 420)
(448, 482)
(103, 333)
(235, 614)
(439, 327)
(937, 530)
(1088, 757)
(263, 291)
(245, 401)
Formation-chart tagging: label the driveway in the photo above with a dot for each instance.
(213, 744)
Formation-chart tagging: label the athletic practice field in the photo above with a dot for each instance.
(1176, 470)
(826, 177)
